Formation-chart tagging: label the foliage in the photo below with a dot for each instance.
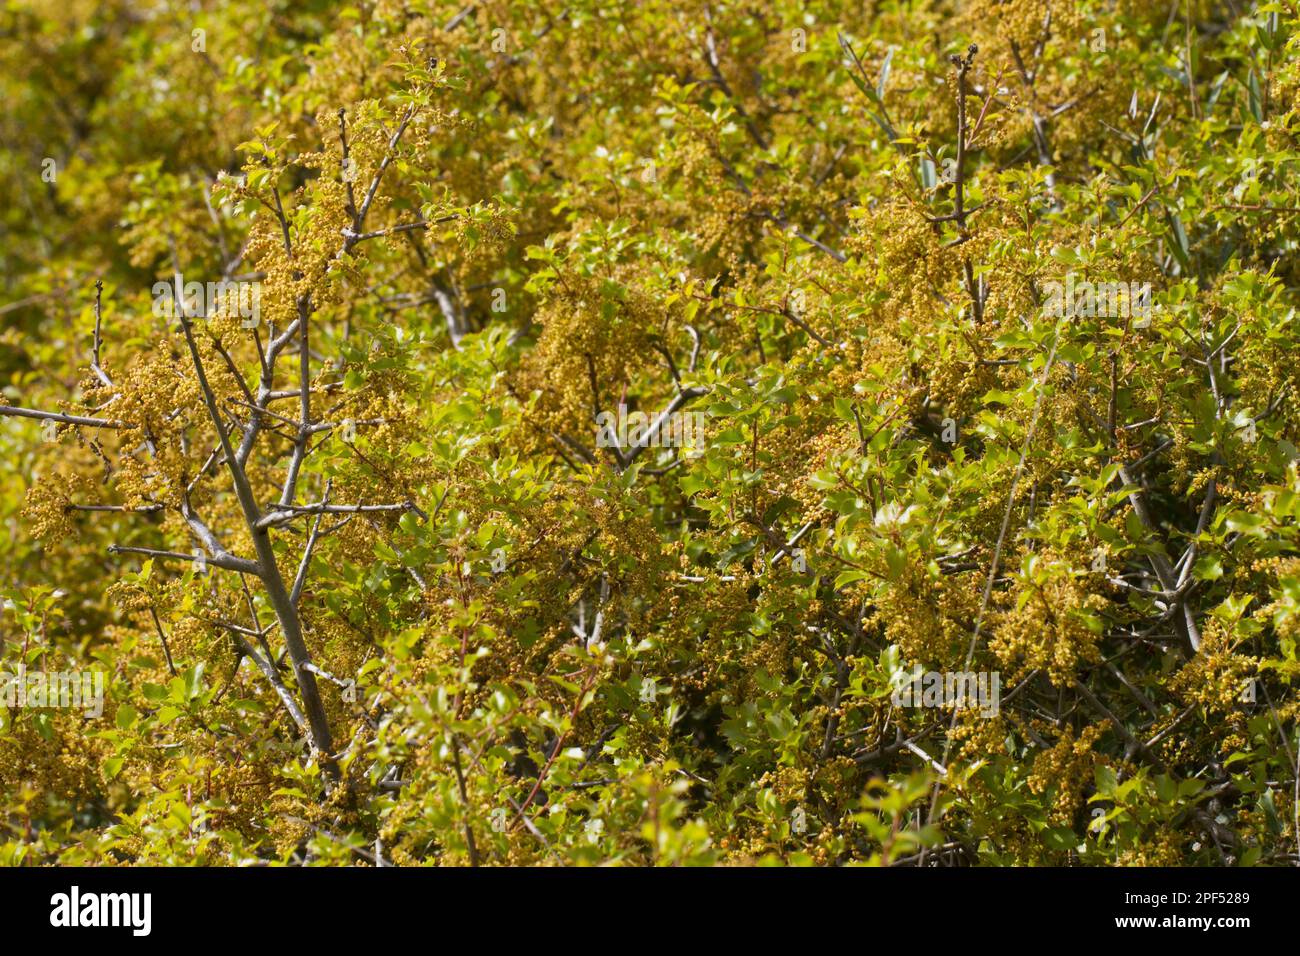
(366, 585)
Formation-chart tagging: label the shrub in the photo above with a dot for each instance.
(506, 434)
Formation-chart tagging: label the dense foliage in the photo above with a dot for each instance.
(366, 581)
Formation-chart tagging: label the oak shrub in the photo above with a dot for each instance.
(831, 230)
